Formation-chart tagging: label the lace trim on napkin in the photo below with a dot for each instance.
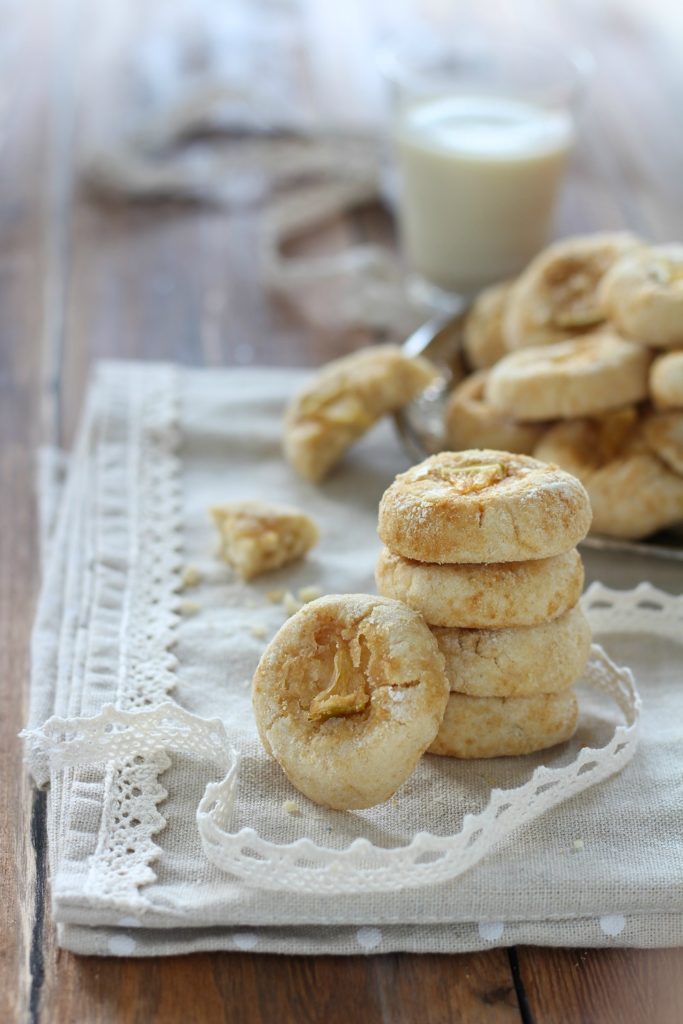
(141, 475)
(135, 739)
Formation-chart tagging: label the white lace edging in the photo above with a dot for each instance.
(125, 851)
(132, 567)
(306, 867)
(645, 609)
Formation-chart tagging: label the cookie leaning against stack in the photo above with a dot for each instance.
(482, 544)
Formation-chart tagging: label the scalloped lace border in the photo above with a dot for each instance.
(304, 866)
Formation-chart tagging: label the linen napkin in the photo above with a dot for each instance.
(157, 447)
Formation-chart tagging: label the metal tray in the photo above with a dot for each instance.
(420, 424)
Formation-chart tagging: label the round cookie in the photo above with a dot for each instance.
(643, 295)
(482, 338)
(556, 297)
(483, 506)
(471, 422)
(663, 433)
(343, 400)
(505, 726)
(347, 697)
(586, 375)
(493, 596)
(632, 492)
(517, 662)
(666, 381)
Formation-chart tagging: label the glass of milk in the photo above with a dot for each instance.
(481, 136)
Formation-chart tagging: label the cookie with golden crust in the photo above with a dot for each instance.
(257, 536)
(505, 726)
(347, 697)
(518, 662)
(482, 338)
(643, 295)
(632, 492)
(483, 506)
(663, 434)
(586, 375)
(485, 596)
(343, 400)
(472, 422)
(666, 381)
(556, 297)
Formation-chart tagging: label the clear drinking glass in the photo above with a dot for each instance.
(481, 135)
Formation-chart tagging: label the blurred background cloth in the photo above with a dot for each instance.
(279, 104)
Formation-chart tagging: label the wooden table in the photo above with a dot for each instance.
(80, 281)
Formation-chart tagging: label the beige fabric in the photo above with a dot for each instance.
(625, 888)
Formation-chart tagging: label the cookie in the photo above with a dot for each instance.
(505, 726)
(586, 375)
(256, 537)
(663, 434)
(343, 400)
(347, 697)
(483, 506)
(632, 492)
(482, 339)
(643, 295)
(556, 297)
(517, 662)
(666, 381)
(472, 422)
(483, 596)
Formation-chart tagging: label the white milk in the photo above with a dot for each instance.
(479, 176)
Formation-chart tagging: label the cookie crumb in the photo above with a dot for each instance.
(290, 603)
(291, 808)
(274, 596)
(189, 608)
(257, 537)
(259, 631)
(190, 577)
(307, 594)
(578, 845)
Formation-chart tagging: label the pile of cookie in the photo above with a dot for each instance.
(483, 544)
(568, 366)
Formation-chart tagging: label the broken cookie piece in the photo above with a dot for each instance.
(256, 537)
(343, 400)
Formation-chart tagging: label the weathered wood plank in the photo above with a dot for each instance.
(609, 986)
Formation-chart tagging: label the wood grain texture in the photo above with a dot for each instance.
(81, 281)
(393, 989)
(609, 986)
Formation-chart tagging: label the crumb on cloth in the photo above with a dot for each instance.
(190, 577)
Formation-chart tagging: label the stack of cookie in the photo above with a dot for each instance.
(567, 369)
(483, 544)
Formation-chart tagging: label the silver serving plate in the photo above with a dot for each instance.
(420, 424)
